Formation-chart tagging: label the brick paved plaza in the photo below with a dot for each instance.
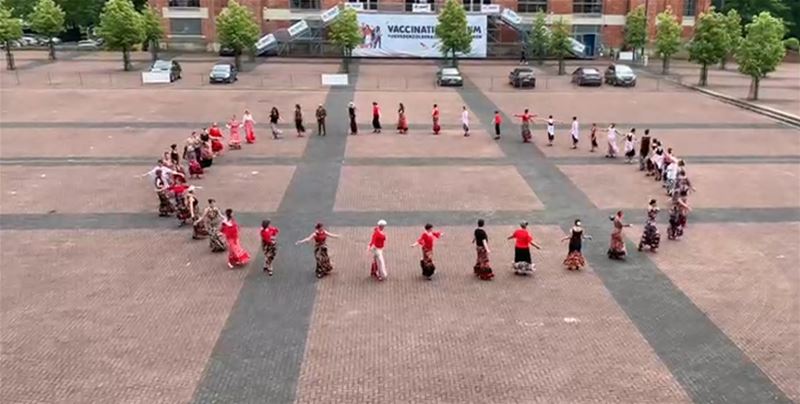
(102, 301)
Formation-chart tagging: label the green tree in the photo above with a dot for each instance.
(708, 45)
(20, 8)
(762, 49)
(10, 30)
(452, 31)
(733, 26)
(237, 30)
(121, 27)
(539, 37)
(82, 13)
(560, 44)
(153, 31)
(668, 37)
(346, 34)
(636, 29)
(47, 19)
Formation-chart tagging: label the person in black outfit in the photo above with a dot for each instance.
(644, 149)
(575, 260)
(351, 112)
(482, 268)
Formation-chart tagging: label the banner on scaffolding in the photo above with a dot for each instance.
(412, 35)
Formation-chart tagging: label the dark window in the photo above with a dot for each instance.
(689, 7)
(587, 6)
(531, 6)
(186, 26)
(368, 4)
(305, 4)
(475, 5)
(184, 3)
(410, 4)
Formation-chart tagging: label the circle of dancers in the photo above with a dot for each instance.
(177, 197)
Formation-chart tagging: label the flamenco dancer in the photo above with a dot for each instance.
(650, 236)
(402, 122)
(274, 117)
(630, 146)
(376, 245)
(234, 140)
(298, 121)
(678, 214)
(376, 117)
(426, 241)
(237, 256)
(482, 268)
(435, 116)
(573, 132)
(498, 121)
(165, 207)
(575, 260)
(613, 149)
(525, 126)
(551, 130)
(320, 237)
(249, 127)
(593, 137)
(465, 120)
(216, 137)
(199, 231)
(269, 244)
(616, 249)
(211, 219)
(351, 112)
(523, 264)
(183, 212)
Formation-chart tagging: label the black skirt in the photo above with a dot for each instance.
(522, 255)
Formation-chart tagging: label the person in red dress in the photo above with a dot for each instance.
(376, 245)
(269, 244)
(523, 264)
(249, 127)
(216, 139)
(234, 139)
(237, 256)
(435, 116)
(376, 117)
(426, 241)
(320, 236)
(402, 121)
(525, 128)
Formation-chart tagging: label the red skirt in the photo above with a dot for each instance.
(237, 256)
(250, 136)
(195, 168)
(216, 146)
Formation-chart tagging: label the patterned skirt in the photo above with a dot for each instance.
(650, 236)
(324, 265)
(183, 212)
(215, 240)
(483, 268)
(524, 268)
(199, 230)
(165, 207)
(574, 260)
(270, 250)
(426, 263)
(525, 130)
(616, 248)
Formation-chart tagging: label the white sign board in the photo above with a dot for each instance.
(155, 77)
(298, 28)
(334, 80)
(577, 46)
(508, 15)
(421, 8)
(625, 56)
(355, 6)
(330, 14)
(266, 41)
(412, 35)
(490, 8)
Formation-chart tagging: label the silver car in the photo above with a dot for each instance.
(620, 75)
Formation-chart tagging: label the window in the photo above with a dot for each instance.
(184, 3)
(531, 6)
(305, 4)
(368, 4)
(186, 26)
(587, 6)
(410, 4)
(475, 5)
(689, 7)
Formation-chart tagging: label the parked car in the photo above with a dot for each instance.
(171, 66)
(449, 76)
(620, 75)
(29, 40)
(88, 44)
(225, 51)
(587, 76)
(522, 77)
(223, 73)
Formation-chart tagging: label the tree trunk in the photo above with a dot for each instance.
(126, 59)
(703, 75)
(723, 62)
(540, 58)
(664, 64)
(52, 49)
(10, 65)
(346, 61)
(561, 65)
(237, 60)
(754, 82)
(153, 45)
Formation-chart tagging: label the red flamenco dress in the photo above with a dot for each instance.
(237, 256)
(216, 140)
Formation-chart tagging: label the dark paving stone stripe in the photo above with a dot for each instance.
(600, 160)
(709, 366)
(259, 353)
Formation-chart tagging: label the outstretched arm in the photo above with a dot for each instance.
(332, 235)
(305, 240)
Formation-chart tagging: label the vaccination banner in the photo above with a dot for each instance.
(409, 35)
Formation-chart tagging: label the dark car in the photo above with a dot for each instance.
(226, 51)
(587, 76)
(171, 66)
(223, 73)
(522, 77)
(620, 75)
(449, 76)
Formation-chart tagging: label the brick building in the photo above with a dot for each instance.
(189, 24)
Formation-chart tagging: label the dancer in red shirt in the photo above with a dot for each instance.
(320, 237)
(216, 139)
(525, 128)
(426, 241)
(498, 120)
(376, 244)
(523, 265)
(376, 118)
(269, 244)
(435, 116)
(234, 139)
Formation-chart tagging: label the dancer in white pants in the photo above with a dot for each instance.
(376, 245)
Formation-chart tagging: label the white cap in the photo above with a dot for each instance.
(381, 222)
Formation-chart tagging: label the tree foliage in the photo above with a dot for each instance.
(20, 8)
(539, 37)
(733, 26)
(82, 13)
(237, 29)
(668, 37)
(636, 28)
(452, 31)
(47, 19)
(345, 33)
(121, 27)
(560, 43)
(761, 50)
(153, 31)
(709, 43)
(10, 30)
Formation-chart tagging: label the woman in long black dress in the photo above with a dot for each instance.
(351, 112)
(482, 268)
(575, 260)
